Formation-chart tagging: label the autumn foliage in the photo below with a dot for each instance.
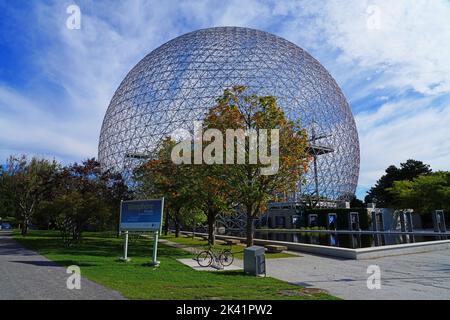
(219, 188)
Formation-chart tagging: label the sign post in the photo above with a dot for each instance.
(125, 248)
(142, 215)
(155, 250)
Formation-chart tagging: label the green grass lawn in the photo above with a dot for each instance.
(238, 251)
(97, 256)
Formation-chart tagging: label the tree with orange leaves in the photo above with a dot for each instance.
(254, 181)
(243, 171)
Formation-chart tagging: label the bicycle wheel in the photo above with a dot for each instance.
(226, 258)
(204, 259)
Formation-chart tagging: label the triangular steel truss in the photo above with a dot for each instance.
(177, 83)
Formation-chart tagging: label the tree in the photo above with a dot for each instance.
(187, 188)
(356, 203)
(42, 191)
(25, 184)
(409, 170)
(74, 211)
(85, 196)
(211, 195)
(4, 207)
(116, 191)
(424, 194)
(193, 217)
(253, 181)
(160, 177)
(215, 187)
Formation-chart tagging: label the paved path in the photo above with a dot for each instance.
(25, 274)
(414, 276)
(180, 246)
(406, 277)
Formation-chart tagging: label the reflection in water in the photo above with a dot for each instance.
(352, 241)
(334, 242)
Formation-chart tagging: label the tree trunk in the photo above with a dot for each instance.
(211, 229)
(177, 229)
(24, 227)
(177, 222)
(249, 229)
(166, 224)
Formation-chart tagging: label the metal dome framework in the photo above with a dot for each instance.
(177, 83)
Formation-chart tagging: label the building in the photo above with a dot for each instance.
(176, 83)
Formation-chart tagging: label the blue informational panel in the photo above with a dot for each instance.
(141, 215)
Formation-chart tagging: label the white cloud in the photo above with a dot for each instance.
(411, 48)
(409, 129)
(88, 65)
(27, 128)
(85, 66)
(411, 52)
(401, 71)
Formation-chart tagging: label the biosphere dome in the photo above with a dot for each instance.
(176, 84)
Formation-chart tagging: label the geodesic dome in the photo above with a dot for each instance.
(177, 83)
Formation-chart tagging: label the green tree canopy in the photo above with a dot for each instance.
(43, 192)
(409, 170)
(161, 177)
(25, 183)
(188, 189)
(84, 196)
(424, 194)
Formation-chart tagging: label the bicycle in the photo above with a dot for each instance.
(224, 257)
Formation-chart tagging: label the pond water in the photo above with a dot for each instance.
(352, 241)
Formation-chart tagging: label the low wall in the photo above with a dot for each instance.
(399, 249)
(354, 254)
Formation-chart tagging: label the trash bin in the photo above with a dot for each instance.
(255, 261)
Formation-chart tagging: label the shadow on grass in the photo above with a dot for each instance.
(59, 263)
(92, 245)
(232, 273)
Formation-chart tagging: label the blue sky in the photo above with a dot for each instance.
(391, 59)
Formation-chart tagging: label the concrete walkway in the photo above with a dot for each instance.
(406, 277)
(26, 275)
(193, 263)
